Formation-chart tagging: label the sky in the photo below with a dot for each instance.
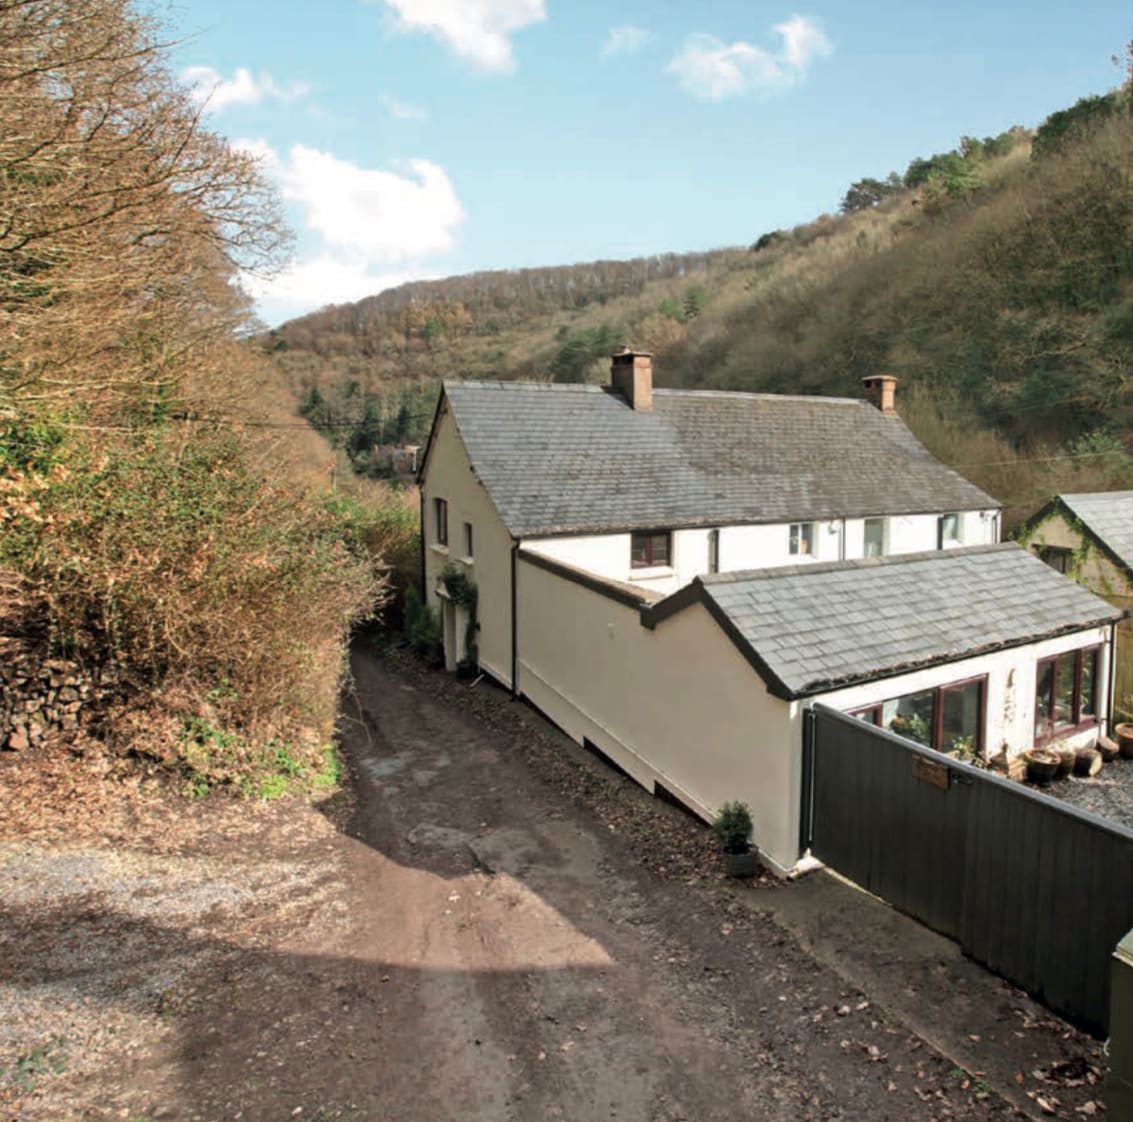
(413, 139)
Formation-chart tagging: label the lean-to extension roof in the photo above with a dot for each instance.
(576, 459)
(814, 628)
(1108, 515)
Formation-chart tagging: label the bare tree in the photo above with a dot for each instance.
(123, 221)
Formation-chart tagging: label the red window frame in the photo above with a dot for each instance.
(1077, 722)
(873, 714)
(650, 549)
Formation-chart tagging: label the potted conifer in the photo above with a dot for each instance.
(733, 828)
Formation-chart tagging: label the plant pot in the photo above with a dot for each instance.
(1013, 767)
(1066, 757)
(1087, 762)
(1125, 740)
(1109, 749)
(742, 865)
(466, 671)
(1042, 765)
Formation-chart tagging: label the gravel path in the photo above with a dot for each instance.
(1109, 794)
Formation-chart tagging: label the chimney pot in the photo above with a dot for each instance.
(881, 390)
(631, 374)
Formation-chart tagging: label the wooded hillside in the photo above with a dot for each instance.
(995, 281)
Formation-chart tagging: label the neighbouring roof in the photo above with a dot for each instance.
(1108, 515)
(565, 458)
(814, 628)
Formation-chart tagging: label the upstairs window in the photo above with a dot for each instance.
(1059, 559)
(440, 521)
(948, 531)
(873, 538)
(713, 551)
(468, 540)
(646, 551)
(800, 539)
(1066, 693)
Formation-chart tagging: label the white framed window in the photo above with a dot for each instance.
(948, 531)
(873, 538)
(800, 540)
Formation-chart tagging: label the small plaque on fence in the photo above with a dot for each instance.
(929, 771)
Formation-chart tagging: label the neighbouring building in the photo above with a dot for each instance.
(1089, 537)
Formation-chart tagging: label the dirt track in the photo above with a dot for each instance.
(489, 929)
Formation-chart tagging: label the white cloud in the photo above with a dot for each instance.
(370, 228)
(400, 110)
(307, 285)
(478, 30)
(625, 40)
(711, 69)
(243, 88)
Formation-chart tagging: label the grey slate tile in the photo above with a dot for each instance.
(879, 616)
(578, 458)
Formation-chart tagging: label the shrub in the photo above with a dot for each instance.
(422, 626)
(733, 827)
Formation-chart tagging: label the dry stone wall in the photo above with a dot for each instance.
(41, 696)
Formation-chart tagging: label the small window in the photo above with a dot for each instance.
(873, 541)
(440, 521)
(1066, 693)
(468, 540)
(800, 540)
(1056, 557)
(646, 551)
(713, 551)
(948, 531)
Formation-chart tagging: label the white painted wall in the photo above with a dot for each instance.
(678, 705)
(449, 476)
(1010, 698)
(755, 547)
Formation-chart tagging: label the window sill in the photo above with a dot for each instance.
(1063, 733)
(467, 561)
(436, 547)
(653, 572)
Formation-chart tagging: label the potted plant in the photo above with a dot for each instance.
(732, 827)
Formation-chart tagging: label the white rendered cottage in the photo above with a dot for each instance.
(655, 487)
(674, 576)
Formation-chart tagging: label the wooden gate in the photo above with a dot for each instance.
(1031, 887)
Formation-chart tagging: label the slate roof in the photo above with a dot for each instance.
(822, 626)
(1108, 515)
(564, 458)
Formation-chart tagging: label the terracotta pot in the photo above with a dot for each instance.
(1042, 765)
(1109, 749)
(1125, 739)
(1066, 757)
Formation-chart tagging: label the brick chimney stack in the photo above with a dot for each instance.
(881, 389)
(631, 374)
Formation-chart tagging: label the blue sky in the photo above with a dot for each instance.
(424, 138)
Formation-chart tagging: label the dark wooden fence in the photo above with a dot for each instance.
(1031, 887)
